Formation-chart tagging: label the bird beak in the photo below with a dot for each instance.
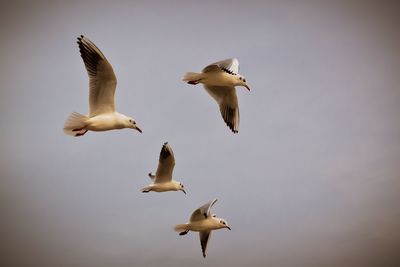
(138, 129)
(183, 190)
(248, 88)
(229, 228)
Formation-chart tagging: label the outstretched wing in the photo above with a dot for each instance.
(102, 80)
(204, 237)
(166, 164)
(202, 212)
(230, 66)
(228, 104)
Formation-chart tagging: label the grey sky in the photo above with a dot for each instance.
(312, 178)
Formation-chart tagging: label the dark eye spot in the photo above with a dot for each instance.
(244, 80)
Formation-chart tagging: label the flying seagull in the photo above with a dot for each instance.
(162, 180)
(102, 83)
(203, 222)
(220, 79)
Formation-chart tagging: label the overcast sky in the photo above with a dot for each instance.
(312, 179)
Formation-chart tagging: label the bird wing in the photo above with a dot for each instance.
(228, 104)
(166, 164)
(204, 237)
(230, 66)
(203, 212)
(102, 80)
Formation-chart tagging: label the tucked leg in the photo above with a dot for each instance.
(184, 232)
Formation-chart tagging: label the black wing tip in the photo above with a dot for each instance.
(165, 152)
(228, 115)
(164, 147)
(80, 38)
(233, 129)
(228, 71)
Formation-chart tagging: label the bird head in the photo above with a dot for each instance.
(241, 81)
(181, 188)
(223, 224)
(131, 123)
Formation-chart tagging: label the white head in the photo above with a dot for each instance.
(180, 187)
(131, 123)
(241, 81)
(222, 223)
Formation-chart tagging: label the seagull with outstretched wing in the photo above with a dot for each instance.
(219, 80)
(204, 222)
(102, 84)
(162, 180)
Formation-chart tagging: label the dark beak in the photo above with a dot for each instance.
(248, 88)
(138, 129)
(229, 228)
(183, 190)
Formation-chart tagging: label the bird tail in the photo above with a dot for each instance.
(181, 227)
(76, 124)
(192, 77)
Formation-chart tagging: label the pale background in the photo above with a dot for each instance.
(312, 178)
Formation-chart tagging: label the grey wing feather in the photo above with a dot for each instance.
(228, 104)
(230, 66)
(102, 80)
(202, 212)
(166, 164)
(204, 237)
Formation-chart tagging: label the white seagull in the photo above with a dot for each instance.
(162, 180)
(102, 83)
(220, 79)
(203, 222)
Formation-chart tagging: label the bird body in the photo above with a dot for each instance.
(207, 224)
(102, 84)
(163, 187)
(216, 78)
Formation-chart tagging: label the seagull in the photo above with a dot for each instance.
(162, 180)
(219, 80)
(203, 222)
(102, 83)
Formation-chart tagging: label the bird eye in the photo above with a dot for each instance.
(244, 80)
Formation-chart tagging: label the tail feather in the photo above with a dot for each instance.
(181, 227)
(192, 77)
(76, 124)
